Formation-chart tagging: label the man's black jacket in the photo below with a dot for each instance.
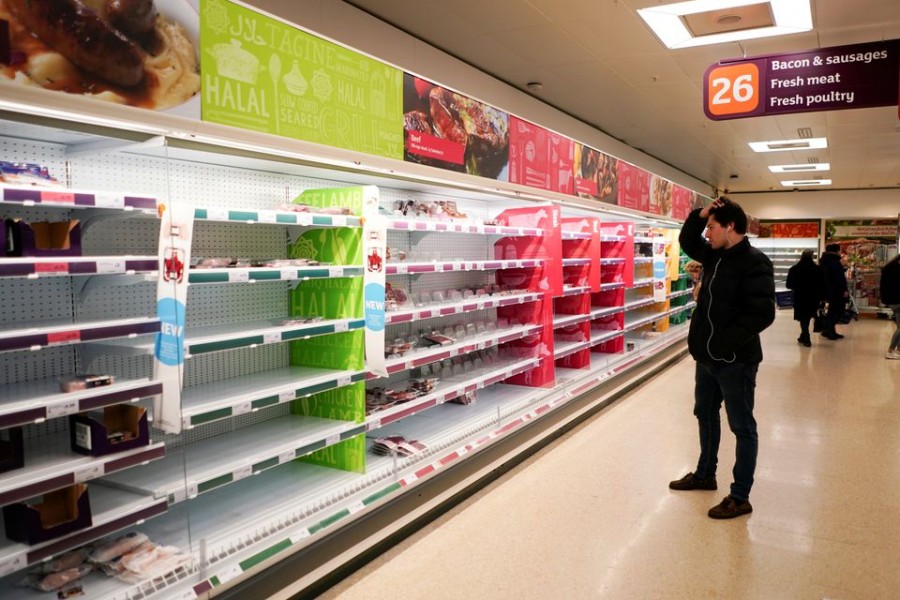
(835, 278)
(737, 298)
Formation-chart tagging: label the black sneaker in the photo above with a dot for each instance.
(730, 508)
(692, 482)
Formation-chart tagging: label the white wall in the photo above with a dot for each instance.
(342, 23)
(826, 204)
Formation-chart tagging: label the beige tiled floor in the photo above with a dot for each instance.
(592, 517)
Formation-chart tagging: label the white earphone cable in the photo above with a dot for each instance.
(712, 328)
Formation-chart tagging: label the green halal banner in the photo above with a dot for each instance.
(263, 74)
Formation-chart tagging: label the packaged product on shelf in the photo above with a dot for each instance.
(110, 550)
(466, 399)
(438, 338)
(69, 560)
(322, 210)
(59, 512)
(43, 238)
(397, 444)
(212, 263)
(52, 582)
(395, 298)
(26, 174)
(114, 429)
(12, 449)
(397, 348)
(75, 383)
(395, 255)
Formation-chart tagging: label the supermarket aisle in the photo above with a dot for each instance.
(592, 517)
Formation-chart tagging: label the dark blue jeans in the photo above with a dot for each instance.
(734, 384)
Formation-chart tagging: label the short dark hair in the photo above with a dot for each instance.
(730, 213)
(833, 248)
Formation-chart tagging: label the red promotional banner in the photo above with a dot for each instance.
(540, 158)
(681, 202)
(634, 187)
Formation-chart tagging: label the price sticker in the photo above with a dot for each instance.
(193, 490)
(731, 90)
(335, 272)
(273, 337)
(374, 424)
(109, 201)
(401, 269)
(266, 216)
(51, 267)
(186, 595)
(286, 396)
(411, 478)
(230, 574)
(241, 409)
(341, 327)
(88, 473)
(179, 495)
(356, 507)
(217, 214)
(12, 565)
(344, 381)
(242, 473)
(299, 536)
(63, 337)
(110, 266)
(480, 345)
(288, 274)
(339, 221)
(239, 276)
(331, 440)
(286, 457)
(62, 410)
(58, 197)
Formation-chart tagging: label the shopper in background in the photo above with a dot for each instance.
(836, 292)
(695, 270)
(807, 282)
(736, 303)
(890, 296)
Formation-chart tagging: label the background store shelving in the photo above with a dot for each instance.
(248, 411)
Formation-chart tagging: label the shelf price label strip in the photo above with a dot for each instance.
(286, 395)
(237, 275)
(84, 471)
(407, 409)
(101, 331)
(466, 306)
(291, 333)
(69, 198)
(405, 363)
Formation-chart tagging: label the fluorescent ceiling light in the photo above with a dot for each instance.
(788, 145)
(805, 182)
(670, 22)
(801, 168)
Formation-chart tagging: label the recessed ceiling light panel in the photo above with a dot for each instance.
(702, 22)
(788, 145)
(806, 182)
(801, 168)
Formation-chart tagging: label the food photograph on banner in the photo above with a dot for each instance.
(444, 129)
(596, 174)
(540, 158)
(146, 58)
(660, 196)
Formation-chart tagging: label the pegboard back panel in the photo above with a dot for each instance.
(216, 366)
(99, 301)
(235, 240)
(211, 305)
(25, 301)
(25, 365)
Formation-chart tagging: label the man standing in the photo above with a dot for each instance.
(736, 303)
(836, 292)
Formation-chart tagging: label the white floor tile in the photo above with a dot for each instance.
(592, 517)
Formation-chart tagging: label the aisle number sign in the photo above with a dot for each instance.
(858, 76)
